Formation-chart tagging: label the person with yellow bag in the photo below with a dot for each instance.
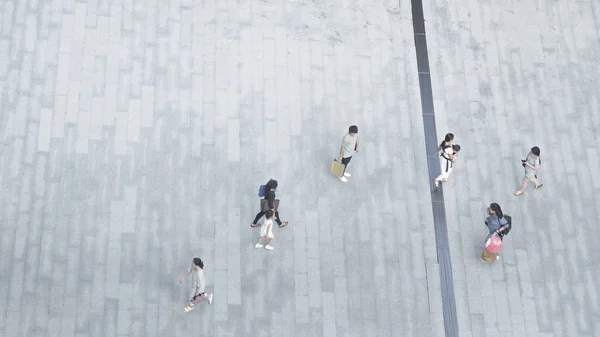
(350, 144)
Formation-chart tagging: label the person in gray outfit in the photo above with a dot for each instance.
(496, 221)
(531, 164)
(198, 284)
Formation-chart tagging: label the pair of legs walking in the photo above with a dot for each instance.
(443, 177)
(533, 178)
(261, 214)
(269, 240)
(345, 161)
(195, 299)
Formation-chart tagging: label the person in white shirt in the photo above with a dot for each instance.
(350, 144)
(198, 284)
(449, 155)
(266, 231)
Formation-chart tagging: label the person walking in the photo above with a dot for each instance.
(449, 154)
(198, 284)
(266, 231)
(531, 164)
(350, 145)
(447, 142)
(498, 225)
(270, 187)
(496, 222)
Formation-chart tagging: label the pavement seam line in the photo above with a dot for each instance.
(437, 195)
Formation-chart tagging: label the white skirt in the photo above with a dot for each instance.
(263, 232)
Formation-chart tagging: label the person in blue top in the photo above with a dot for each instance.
(496, 222)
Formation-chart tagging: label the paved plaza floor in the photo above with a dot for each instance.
(509, 75)
(134, 136)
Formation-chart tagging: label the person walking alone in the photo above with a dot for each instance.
(498, 225)
(531, 164)
(198, 284)
(449, 155)
(496, 222)
(270, 187)
(350, 144)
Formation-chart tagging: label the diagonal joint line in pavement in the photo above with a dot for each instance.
(437, 196)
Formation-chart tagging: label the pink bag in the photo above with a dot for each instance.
(198, 298)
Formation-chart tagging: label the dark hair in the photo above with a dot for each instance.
(269, 214)
(198, 262)
(448, 138)
(271, 184)
(353, 129)
(456, 147)
(535, 150)
(496, 208)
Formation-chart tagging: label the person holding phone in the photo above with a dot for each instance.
(531, 164)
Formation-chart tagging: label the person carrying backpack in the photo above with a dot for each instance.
(498, 226)
(270, 203)
(497, 222)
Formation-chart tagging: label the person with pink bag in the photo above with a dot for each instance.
(198, 284)
(498, 226)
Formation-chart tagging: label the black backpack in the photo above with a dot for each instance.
(508, 227)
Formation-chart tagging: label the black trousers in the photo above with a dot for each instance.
(345, 161)
(261, 214)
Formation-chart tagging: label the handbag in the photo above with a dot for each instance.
(198, 298)
(507, 227)
(264, 205)
(337, 168)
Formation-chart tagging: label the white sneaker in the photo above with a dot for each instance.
(346, 174)
(344, 179)
(268, 247)
(210, 299)
(258, 245)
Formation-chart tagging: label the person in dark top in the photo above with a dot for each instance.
(446, 143)
(270, 197)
